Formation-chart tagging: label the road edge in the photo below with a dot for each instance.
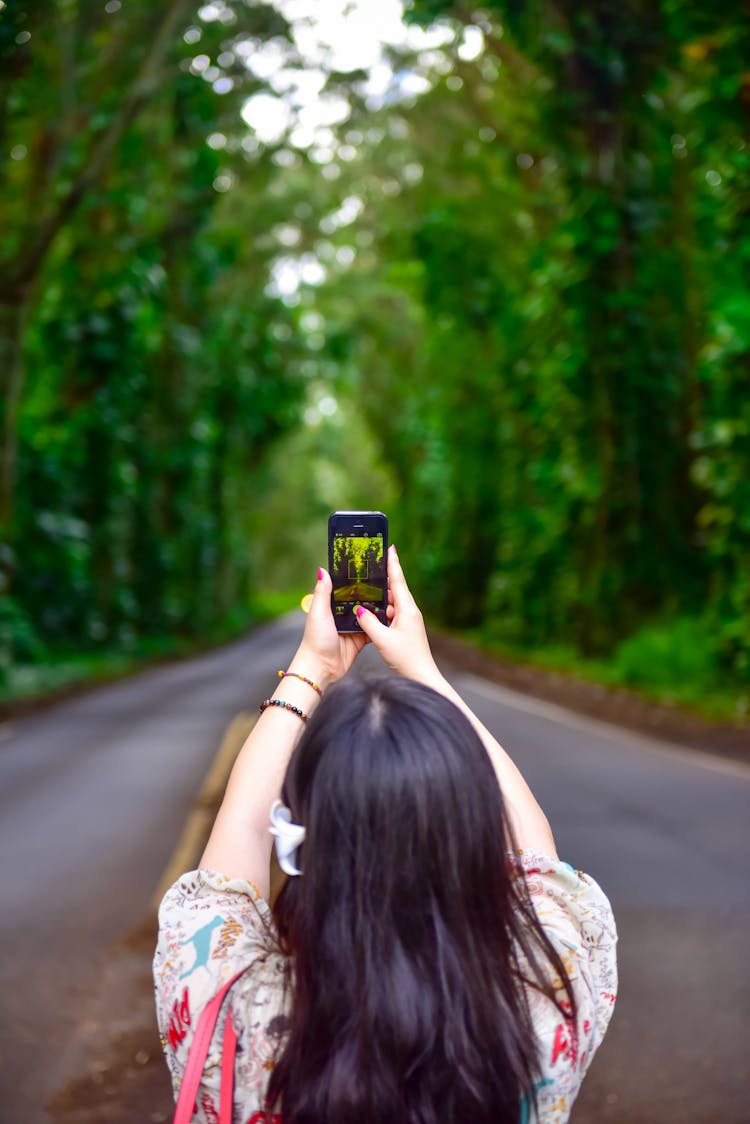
(616, 706)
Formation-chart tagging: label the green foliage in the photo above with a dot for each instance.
(533, 339)
(19, 642)
(329, 462)
(155, 371)
(356, 554)
(669, 655)
(564, 280)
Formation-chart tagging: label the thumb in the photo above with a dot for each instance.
(370, 624)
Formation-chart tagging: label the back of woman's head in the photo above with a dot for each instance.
(404, 926)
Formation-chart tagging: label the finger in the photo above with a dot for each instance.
(390, 612)
(355, 641)
(401, 593)
(370, 624)
(321, 602)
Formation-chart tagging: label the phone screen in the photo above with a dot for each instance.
(358, 567)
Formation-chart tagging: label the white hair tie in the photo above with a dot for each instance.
(288, 837)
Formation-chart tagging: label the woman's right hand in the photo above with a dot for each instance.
(403, 645)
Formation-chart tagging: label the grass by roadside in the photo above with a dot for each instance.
(669, 668)
(65, 672)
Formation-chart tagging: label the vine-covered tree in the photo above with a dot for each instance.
(144, 368)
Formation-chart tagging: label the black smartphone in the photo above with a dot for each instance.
(358, 565)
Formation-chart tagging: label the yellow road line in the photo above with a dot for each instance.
(198, 824)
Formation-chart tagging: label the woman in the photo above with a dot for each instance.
(429, 960)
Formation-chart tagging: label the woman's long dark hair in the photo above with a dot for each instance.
(409, 935)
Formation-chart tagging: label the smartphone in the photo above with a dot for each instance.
(358, 565)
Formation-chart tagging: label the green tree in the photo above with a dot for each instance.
(162, 370)
(537, 297)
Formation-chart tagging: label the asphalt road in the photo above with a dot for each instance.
(93, 794)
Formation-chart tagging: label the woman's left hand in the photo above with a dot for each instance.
(326, 653)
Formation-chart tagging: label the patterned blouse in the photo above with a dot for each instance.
(211, 926)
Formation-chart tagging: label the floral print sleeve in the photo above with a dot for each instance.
(211, 927)
(578, 920)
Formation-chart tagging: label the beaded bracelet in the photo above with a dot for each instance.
(296, 675)
(286, 706)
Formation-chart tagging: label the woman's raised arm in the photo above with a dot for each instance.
(240, 842)
(405, 647)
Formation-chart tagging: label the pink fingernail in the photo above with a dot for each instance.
(359, 611)
(320, 573)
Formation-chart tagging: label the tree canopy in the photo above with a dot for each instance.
(504, 297)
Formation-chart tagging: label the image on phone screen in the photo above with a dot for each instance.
(358, 569)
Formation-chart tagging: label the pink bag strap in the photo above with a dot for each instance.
(227, 1072)
(199, 1048)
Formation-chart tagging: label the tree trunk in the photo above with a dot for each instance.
(21, 274)
(13, 312)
